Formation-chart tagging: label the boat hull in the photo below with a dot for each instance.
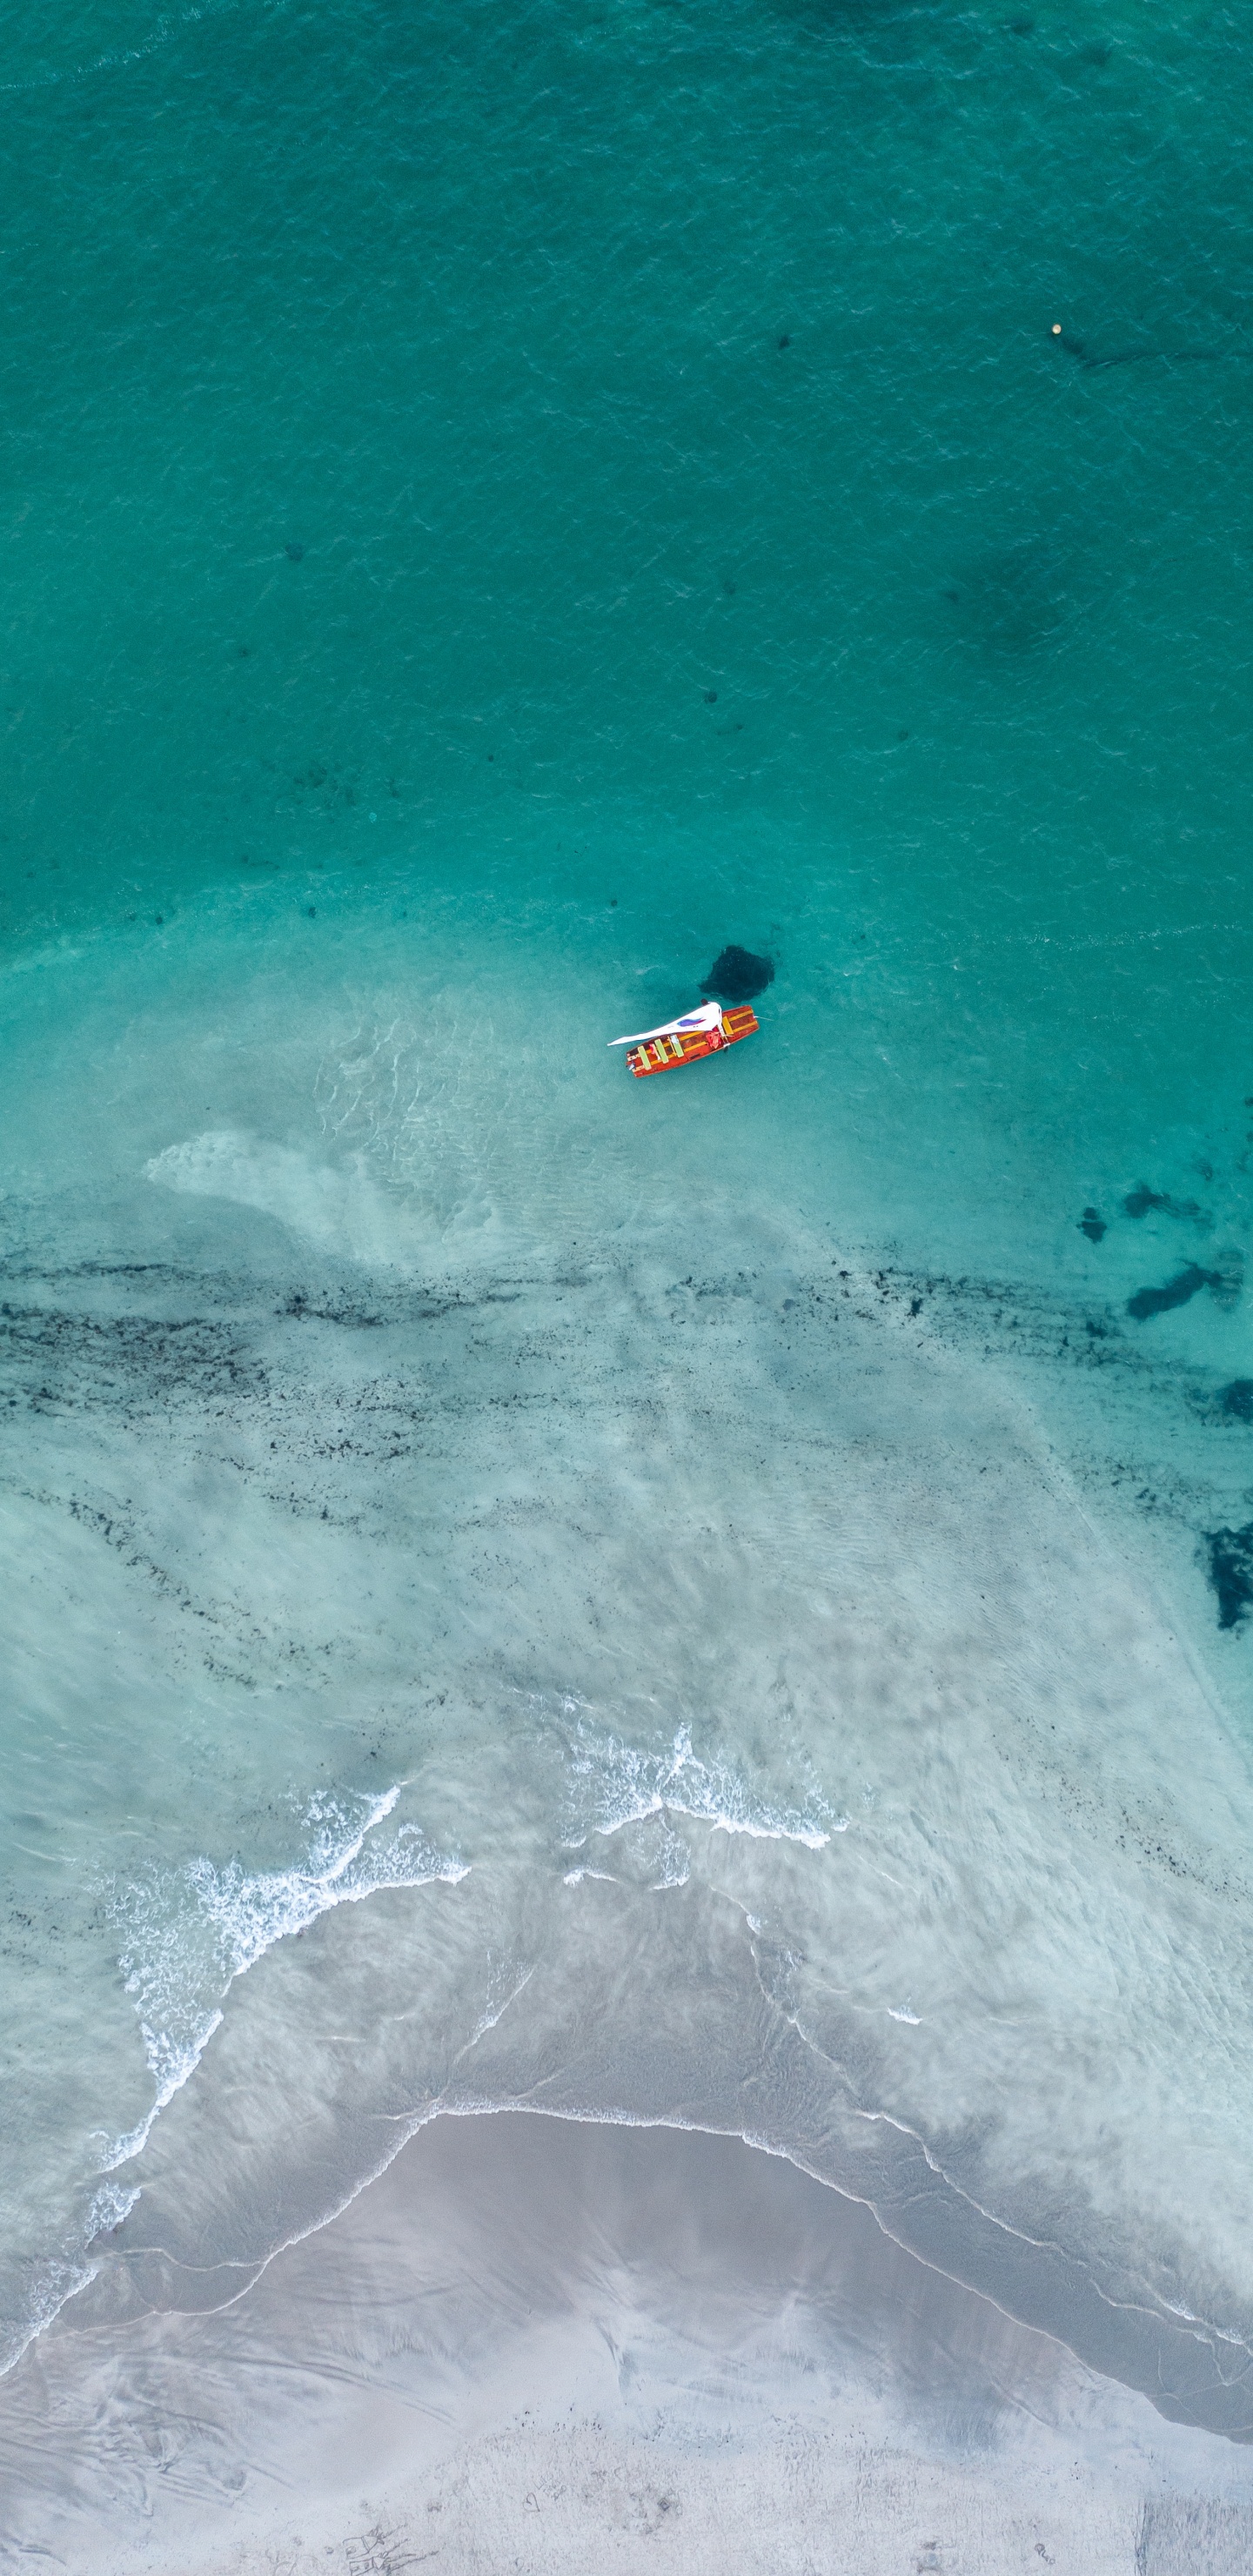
(664, 1055)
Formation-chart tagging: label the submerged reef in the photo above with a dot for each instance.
(1231, 1572)
(1142, 1201)
(1178, 1291)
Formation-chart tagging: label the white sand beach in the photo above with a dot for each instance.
(547, 2346)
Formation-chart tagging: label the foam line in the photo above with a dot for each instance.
(202, 1927)
(629, 1784)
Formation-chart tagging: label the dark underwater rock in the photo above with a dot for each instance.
(736, 976)
(1093, 1224)
(1231, 1572)
(1177, 1292)
(1142, 1200)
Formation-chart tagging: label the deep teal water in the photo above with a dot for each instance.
(692, 504)
(500, 501)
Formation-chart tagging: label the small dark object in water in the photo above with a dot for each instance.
(1237, 1399)
(1177, 1292)
(312, 910)
(160, 921)
(786, 341)
(711, 697)
(294, 553)
(736, 976)
(1231, 1572)
(1093, 1225)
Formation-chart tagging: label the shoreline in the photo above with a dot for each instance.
(534, 2337)
(708, 1901)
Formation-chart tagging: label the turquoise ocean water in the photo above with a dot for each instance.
(699, 1600)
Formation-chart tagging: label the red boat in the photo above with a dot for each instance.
(702, 1032)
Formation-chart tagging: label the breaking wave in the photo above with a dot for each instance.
(189, 1933)
(620, 1784)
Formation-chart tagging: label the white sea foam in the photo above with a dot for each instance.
(626, 1783)
(188, 1933)
(53, 2283)
(110, 2205)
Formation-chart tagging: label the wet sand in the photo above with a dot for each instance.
(540, 2345)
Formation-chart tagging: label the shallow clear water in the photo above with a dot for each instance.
(689, 1600)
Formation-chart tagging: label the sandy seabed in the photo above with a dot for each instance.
(537, 2344)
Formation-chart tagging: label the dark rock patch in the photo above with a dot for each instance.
(1142, 1201)
(736, 976)
(1231, 1572)
(1177, 1292)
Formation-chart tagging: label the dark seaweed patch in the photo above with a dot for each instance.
(1142, 1201)
(343, 1311)
(1176, 1292)
(1093, 1224)
(1236, 1400)
(101, 1360)
(736, 976)
(1231, 1572)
